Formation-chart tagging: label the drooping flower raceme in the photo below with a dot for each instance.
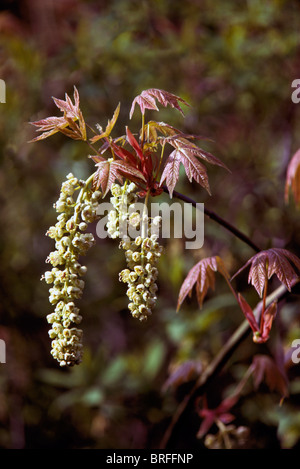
(141, 252)
(71, 241)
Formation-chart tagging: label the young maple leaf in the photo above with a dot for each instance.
(65, 124)
(193, 169)
(111, 170)
(293, 178)
(181, 141)
(147, 100)
(270, 262)
(186, 153)
(202, 274)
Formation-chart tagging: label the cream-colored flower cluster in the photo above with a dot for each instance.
(122, 197)
(71, 241)
(142, 252)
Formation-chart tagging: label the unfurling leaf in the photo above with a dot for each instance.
(72, 113)
(147, 100)
(260, 333)
(267, 321)
(249, 315)
(202, 274)
(134, 144)
(267, 263)
(293, 178)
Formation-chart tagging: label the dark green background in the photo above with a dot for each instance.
(234, 62)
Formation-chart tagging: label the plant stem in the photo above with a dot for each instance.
(143, 131)
(160, 160)
(232, 290)
(217, 219)
(263, 306)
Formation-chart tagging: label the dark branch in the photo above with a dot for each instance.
(216, 218)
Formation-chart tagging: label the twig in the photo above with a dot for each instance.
(217, 219)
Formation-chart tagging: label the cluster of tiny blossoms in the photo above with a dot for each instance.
(142, 252)
(71, 241)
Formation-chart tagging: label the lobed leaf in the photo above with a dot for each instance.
(147, 100)
(193, 169)
(180, 141)
(72, 113)
(267, 263)
(111, 170)
(186, 152)
(170, 173)
(202, 274)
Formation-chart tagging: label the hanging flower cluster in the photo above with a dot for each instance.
(149, 161)
(71, 241)
(142, 252)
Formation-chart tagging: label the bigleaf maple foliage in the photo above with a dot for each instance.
(138, 158)
(142, 158)
(151, 158)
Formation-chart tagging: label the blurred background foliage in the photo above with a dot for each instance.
(234, 62)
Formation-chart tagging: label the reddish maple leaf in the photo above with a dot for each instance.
(267, 263)
(202, 274)
(293, 178)
(111, 170)
(147, 100)
(186, 153)
(193, 169)
(170, 134)
(66, 124)
(181, 141)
